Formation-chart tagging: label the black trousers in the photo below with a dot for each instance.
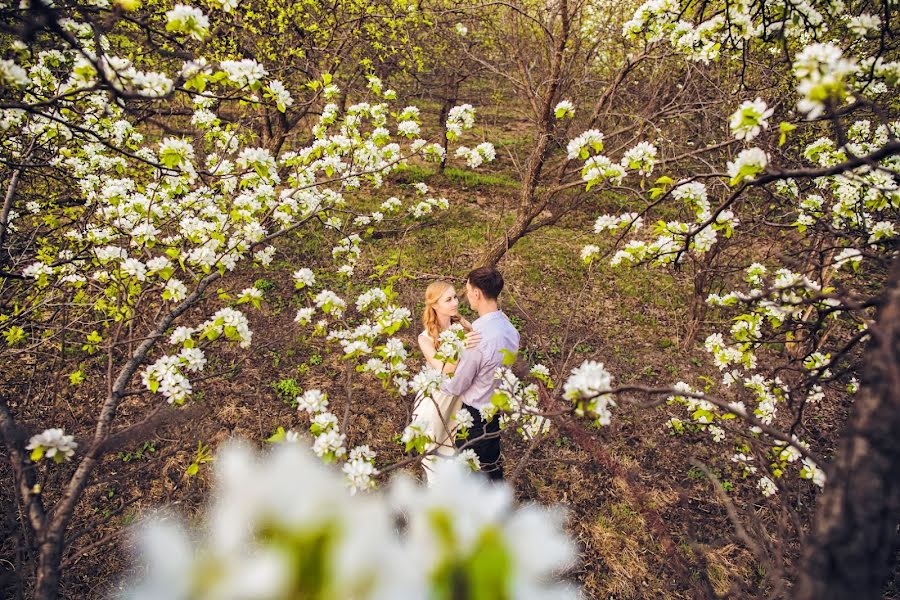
(484, 439)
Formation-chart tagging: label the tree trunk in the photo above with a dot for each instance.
(513, 234)
(447, 103)
(48, 571)
(530, 205)
(848, 552)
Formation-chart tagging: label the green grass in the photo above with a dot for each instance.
(412, 174)
(476, 179)
(551, 255)
(515, 142)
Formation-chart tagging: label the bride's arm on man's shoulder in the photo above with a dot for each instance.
(426, 345)
(473, 338)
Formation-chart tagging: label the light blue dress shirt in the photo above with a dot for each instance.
(473, 379)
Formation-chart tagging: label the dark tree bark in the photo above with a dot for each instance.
(848, 552)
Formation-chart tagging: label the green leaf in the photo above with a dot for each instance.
(278, 436)
(14, 335)
(77, 377)
(509, 358)
(784, 128)
(489, 568)
(500, 400)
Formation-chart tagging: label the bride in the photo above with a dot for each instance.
(441, 311)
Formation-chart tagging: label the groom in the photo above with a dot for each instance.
(473, 379)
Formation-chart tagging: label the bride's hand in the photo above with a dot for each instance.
(473, 338)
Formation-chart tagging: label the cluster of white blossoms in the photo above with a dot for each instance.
(277, 93)
(674, 238)
(587, 388)
(824, 72)
(860, 203)
(166, 377)
(330, 303)
(750, 119)
(283, 525)
(359, 469)
(823, 75)
(245, 73)
(428, 205)
(231, 323)
(600, 169)
(864, 24)
(580, 147)
(460, 118)
(641, 158)
(480, 154)
(767, 486)
(303, 278)
(416, 436)
(451, 343)
(748, 163)
(565, 109)
(768, 304)
(368, 342)
(519, 402)
(187, 20)
(52, 443)
(706, 416)
(625, 221)
(328, 443)
(12, 74)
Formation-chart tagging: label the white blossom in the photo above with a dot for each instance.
(52, 443)
(749, 119)
(748, 163)
(564, 109)
(312, 401)
(189, 20)
(586, 386)
(767, 486)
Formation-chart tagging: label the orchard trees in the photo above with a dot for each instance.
(813, 315)
(115, 235)
(135, 193)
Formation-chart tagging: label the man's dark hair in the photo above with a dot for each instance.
(488, 280)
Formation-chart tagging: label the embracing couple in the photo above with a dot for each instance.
(469, 383)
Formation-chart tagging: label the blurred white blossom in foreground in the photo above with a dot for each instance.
(282, 525)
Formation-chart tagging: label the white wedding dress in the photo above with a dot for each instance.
(437, 412)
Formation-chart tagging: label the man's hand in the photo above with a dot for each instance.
(473, 338)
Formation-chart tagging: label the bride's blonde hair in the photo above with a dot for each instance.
(433, 293)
